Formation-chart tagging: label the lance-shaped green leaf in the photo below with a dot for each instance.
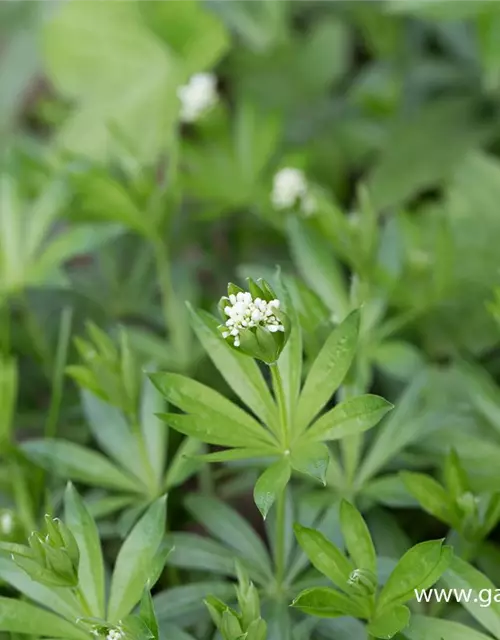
(91, 567)
(20, 617)
(240, 372)
(222, 418)
(135, 561)
(148, 615)
(427, 628)
(483, 605)
(329, 603)
(419, 568)
(431, 496)
(328, 370)
(357, 538)
(389, 622)
(455, 476)
(72, 461)
(349, 417)
(311, 458)
(231, 528)
(324, 555)
(222, 433)
(271, 485)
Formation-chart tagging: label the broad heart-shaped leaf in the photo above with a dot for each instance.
(431, 496)
(349, 417)
(419, 568)
(426, 628)
(329, 603)
(240, 372)
(227, 525)
(328, 370)
(20, 617)
(324, 555)
(461, 575)
(271, 485)
(72, 461)
(357, 538)
(135, 560)
(389, 622)
(212, 414)
(311, 458)
(106, 59)
(91, 565)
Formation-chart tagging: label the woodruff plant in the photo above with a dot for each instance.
(63, 570)
(285, 429)
(358, 592)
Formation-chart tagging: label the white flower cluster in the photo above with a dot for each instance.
(197, 96)
(115, 634)
(6, 523)
(289, 187)
(245, 312)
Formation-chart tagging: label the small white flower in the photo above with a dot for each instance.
(245, 312)
(115, 634)
(290, 187)
(6, 523)
(197, 96)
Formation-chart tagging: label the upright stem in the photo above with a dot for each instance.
(279, 393)
(280, 537)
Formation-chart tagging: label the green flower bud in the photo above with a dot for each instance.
(69, 544)
(230, 627)
(59, 563)
(51, 560)
(254, 323)
(362, 582)
(53, 537)
(257, 630)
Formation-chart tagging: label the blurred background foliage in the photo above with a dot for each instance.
(113, 213)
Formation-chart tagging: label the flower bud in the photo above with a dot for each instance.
(230, 627)
(254, 323)
(59, 563)
(362, 582)
(51, 560)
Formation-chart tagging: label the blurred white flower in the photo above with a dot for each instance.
(114, 634)
(6, 523)
(290, 187)
(197, 96)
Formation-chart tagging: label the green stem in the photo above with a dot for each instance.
(173, 313)
(279, 393)
(58, 375)
(280, 538)
(82, 601)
